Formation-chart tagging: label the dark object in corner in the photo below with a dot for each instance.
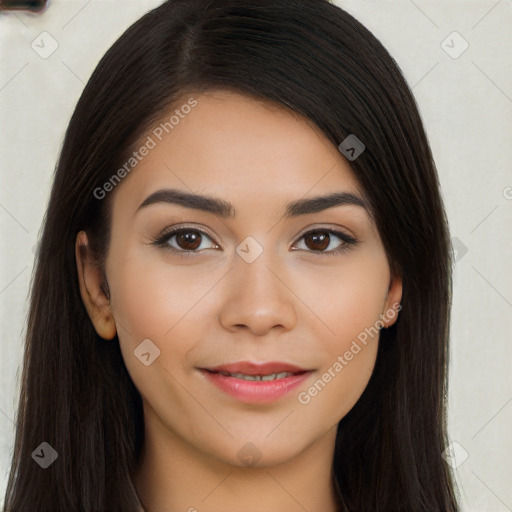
(23, 5)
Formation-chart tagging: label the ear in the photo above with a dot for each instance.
(392, 301)
(92, 289)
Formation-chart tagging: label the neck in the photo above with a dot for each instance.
(173, 477)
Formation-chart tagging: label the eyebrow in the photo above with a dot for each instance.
(225, 209)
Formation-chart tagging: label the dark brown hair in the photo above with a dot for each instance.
(316, 60)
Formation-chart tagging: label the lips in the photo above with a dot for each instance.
(256, 382)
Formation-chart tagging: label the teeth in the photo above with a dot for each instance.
(272, 376)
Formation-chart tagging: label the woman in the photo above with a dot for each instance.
(242, 293)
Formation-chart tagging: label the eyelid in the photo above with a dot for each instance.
(347, 240)
(336, 230)
(171, 231)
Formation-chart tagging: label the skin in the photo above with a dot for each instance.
(297, 306)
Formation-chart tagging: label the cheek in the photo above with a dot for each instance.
(160, 303)
(150, 295)
(349, 354)
(346, 298)
(338, 385)
(157, 303)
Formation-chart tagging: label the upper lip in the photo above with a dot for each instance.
(250, 368)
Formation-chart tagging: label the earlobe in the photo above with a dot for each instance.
(90, 279)
(392, 304)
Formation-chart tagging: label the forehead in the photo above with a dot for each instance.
(236, 147)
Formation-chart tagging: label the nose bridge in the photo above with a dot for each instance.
(252, 270)
(257, 297)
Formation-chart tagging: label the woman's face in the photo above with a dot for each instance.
(262, 290)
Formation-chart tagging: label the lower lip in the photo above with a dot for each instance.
(256, 391)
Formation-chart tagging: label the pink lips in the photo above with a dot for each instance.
(256, 391)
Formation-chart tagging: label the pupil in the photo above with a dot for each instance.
(188, 240)
(318, 237)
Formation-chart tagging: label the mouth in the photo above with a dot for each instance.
(253, 378)
(256, 382)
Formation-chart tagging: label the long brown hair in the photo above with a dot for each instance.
(315, 59)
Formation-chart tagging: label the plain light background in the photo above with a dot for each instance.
(465, 99)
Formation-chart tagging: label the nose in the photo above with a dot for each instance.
(258, 297)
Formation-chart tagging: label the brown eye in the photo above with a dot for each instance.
(188, 240)
(185, 241)
(317, 240)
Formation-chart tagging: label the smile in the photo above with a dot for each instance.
(272, 376)
(249, 382)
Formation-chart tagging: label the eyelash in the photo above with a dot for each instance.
(163, 239)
